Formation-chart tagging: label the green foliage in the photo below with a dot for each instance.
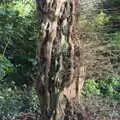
(109, 87)
(116, 37)
(91, 88)
(23, 7)
(5, 67)
(12, 102)
(102, 18)
(97, 22)
(18, 35)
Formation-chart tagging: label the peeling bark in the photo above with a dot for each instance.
(55, 55)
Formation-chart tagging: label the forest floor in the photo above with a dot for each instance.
(88, 109)
(94, 109)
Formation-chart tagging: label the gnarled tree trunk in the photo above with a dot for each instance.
(55, 53)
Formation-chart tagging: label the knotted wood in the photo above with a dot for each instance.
(55, 54)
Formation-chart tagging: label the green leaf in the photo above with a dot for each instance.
(5, 66)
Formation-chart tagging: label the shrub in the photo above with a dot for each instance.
(91, 87)
(109, 87)
(13, 102)
(6, 67)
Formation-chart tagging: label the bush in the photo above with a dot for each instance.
(91, 87)
(13, 102)
(18, 35)
(110, 87)
(6, 67)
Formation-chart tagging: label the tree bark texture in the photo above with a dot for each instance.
(56, 56)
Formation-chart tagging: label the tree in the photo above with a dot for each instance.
(56, 56)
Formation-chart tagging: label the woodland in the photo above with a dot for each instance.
(59, 59)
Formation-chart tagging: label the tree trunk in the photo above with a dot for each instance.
(55, 54)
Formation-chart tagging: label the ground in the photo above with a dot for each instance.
(94, 108)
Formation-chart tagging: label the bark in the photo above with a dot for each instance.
(55, 55)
